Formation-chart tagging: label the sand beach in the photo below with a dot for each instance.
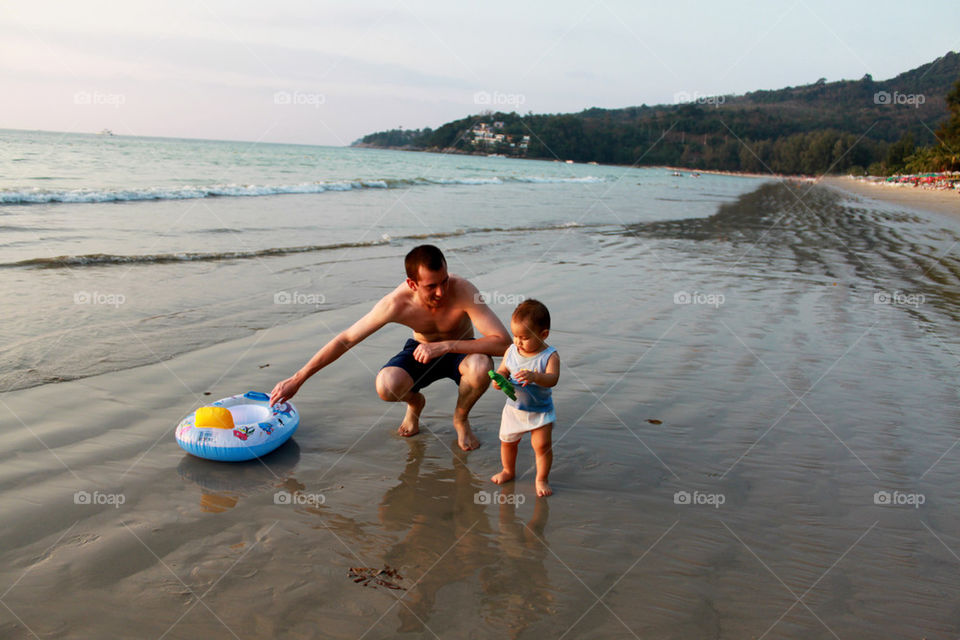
(755, 431)
(945, 202)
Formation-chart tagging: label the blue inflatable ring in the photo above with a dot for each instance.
(257, 429)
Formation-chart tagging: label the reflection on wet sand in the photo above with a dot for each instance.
(224, 484)
(441, 532)
(446, 539)
(515, 584)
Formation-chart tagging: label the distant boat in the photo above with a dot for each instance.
(677, 174)
(569, 161)
(106, 132)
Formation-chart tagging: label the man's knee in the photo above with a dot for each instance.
(393, 384)
(475, 366)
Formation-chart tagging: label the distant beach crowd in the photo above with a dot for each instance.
(944, 181)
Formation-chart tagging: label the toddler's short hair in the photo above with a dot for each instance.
(533, 314)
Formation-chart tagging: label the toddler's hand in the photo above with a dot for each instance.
(524, 376)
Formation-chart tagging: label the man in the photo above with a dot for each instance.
(442, 310)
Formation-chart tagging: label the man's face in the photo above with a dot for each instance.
(431, 287)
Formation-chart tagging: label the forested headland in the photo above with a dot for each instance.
(909, 123)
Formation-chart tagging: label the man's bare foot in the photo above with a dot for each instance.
(503, 476)
(465, 437)
(411, 422)
(543, 489)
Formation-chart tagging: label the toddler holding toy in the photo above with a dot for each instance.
(534, 368)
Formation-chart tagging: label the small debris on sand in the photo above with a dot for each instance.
(368, 575)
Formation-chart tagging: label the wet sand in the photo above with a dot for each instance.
(202, 549)
(717, 461)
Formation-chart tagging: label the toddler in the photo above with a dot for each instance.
(533, 367)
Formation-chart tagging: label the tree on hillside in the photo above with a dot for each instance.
(899, 152)
(948, 153)
(944, 156)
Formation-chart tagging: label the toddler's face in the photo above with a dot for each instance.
(528, 342)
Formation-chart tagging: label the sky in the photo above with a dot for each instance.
(327, 73)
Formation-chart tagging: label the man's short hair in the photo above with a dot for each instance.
(533, 314)
(426, 255)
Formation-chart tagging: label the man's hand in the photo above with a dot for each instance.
(428, 351)
(284, 390)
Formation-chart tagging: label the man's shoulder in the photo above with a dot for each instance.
(394, 301)
(464, 291)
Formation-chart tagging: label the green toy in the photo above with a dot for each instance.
(505, 385)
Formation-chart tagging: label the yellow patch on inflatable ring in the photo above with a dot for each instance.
(214, 418)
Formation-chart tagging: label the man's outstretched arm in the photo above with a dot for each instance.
(339, 345)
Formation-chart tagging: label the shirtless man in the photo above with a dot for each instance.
(442, 310)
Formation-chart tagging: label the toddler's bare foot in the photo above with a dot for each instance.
(503, 476)
(411, 422)
(465, 437)
(543, 489)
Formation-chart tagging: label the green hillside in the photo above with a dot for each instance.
(837, 127)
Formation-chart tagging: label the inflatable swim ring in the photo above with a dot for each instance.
(240, 427)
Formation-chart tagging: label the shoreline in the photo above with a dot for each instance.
(936, 201)
(734, 174)
(712, 172)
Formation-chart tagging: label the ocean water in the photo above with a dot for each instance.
(120, 251)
